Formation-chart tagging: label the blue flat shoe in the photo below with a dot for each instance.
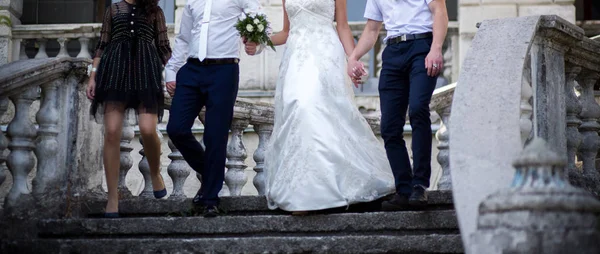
(111, 215)
(160, 194)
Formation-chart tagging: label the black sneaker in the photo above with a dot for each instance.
(397, 203)
(211, 212)
(418, 196)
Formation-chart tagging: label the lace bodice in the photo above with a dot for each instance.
(324, 9)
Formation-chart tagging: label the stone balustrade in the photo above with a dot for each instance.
(57, 40)
(523, 81)
(61, 146)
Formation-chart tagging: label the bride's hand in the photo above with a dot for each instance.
(356, 70)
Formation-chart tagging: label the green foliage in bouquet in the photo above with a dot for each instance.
(255, 28)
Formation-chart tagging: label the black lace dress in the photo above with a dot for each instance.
(133, 50)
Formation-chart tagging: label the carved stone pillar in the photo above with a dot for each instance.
(42, 48)
(379, 58)
(22, 53)
(525, 120)
(144, 168)
(573, 122)
(21, 132)
(178, 170)
(589, 128)
(126, 159)
(236, 178)
(3, 142)
(443, 157)
(49, 177)
(264, 133)
(540, 213)
(63, 47)
(84, 52)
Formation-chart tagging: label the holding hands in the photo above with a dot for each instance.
(356, 71)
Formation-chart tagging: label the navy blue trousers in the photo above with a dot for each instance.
(404, 85)
(216, 87)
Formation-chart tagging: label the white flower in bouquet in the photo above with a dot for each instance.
(250, 28)
(256, 21)
(261, 28)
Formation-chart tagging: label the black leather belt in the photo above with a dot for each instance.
(210, 61)
(409, 37)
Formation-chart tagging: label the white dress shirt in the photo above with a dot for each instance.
(401, 16)
(223, 38)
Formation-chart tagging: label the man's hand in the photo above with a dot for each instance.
(171, 88)
(434, 62)
(250, 47)
(356, 70)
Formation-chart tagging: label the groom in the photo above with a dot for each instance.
(412, 61)
(209, 43)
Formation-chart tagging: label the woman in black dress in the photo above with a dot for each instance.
(127, 75)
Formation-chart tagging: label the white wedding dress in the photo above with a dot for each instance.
(322, 153)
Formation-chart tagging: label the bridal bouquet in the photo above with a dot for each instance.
(255, 28)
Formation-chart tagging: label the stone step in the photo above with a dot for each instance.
(404, 223)
(233, 205)
(351, 243)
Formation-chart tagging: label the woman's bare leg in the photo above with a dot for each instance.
(113, 126)
(152, 148)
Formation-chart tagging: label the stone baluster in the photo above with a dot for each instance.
(540, 213)
(21, 132)
(42, 48)
(3, 142)
(63, 47)
(573, 121)
(144, 168)
(126, 160)
(526, 121)
(84, 52)
(178, 170)
(590, 114)
(379, 59)
(366, 61)
(236, 178)
(22, 53)
(443, 157)
(448, 55)
(264, 133)
(49, 175)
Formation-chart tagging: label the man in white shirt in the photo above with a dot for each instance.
(412, 61)
(204, 71)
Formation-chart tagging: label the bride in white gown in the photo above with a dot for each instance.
(322, 153)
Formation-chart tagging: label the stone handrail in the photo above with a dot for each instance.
(65, 158)
(36, 38)
(524, 78)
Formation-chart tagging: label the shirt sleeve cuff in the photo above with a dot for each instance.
(428, 1)
(170, 75)
(260, 49)
(373, 16)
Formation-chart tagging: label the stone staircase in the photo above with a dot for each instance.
(169, 226)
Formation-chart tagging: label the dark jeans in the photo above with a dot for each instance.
(404, 84)
(216, 87)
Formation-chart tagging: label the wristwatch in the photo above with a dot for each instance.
(90, 70)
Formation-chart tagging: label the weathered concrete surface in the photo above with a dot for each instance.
(386, 243)
(485, 136)
(408, 221)
(243, 204)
